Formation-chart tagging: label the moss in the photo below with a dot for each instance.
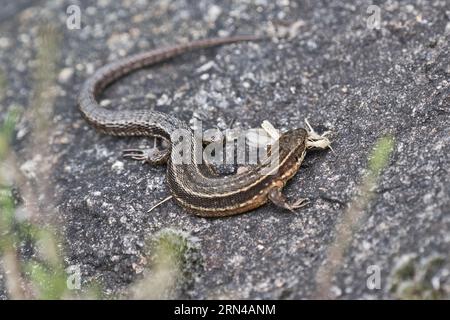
(49, 283)
(6, 200)
(2, 85)
(173, 263)
(171, 246)
(380, 154)
(6, 132)
(412, 278)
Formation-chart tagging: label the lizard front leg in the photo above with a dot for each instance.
(153, 156)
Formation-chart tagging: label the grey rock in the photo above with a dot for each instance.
(357, 82)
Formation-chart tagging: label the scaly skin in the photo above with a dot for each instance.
(194, 185)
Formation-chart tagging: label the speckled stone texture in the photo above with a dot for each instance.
(357, 82)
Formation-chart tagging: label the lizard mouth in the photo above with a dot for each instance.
(317, 141)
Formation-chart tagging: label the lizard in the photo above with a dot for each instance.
(195, 185)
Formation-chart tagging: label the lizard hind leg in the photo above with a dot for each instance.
(153, 155)
(279, 199)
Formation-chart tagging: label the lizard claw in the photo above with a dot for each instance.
(152, 156)
(280, 200)
(300, 203)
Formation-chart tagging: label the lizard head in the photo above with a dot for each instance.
(293, 140)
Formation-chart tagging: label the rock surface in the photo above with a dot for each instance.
(360, 83)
